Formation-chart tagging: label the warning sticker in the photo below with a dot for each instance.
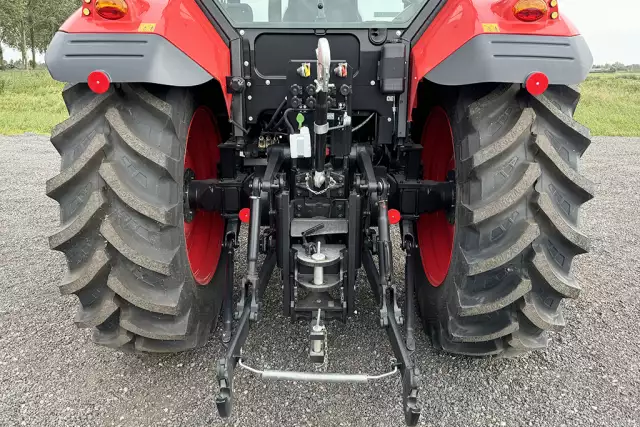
(491, 28)
(146, 28)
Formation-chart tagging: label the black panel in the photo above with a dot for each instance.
(273, 51)
(392, 69)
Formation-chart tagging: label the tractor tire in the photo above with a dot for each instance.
(121, 207)
(494, 274)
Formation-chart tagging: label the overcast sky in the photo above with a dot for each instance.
(611, 27)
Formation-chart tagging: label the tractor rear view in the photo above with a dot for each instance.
(321, 124)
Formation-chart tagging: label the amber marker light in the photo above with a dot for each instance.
(530, 10)
(112, 9)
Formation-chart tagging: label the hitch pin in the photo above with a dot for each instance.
(317, 344)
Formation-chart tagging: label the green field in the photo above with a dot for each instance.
(610, 104)
(30, 101)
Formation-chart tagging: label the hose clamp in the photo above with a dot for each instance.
(321, 129)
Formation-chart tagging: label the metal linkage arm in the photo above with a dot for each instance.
(227, 365)
(410, 373)
(390, 314)
(253, 284)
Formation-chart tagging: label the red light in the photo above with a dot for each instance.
(394, 216)
(537, 83)
(245, 215)
(112, 9)
(99, 82)
(530, 10)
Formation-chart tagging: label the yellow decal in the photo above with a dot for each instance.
(491, 28)
(146, 28)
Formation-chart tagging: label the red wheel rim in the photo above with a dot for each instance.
(204, 234)
(435, 233)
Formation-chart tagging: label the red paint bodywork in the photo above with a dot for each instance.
(461, 20)
(181, 22)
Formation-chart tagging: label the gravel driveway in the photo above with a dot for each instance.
(51, 374)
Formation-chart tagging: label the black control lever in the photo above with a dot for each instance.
(308, 247)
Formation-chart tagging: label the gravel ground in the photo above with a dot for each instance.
(51, 374)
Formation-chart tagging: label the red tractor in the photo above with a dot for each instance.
(320, 124)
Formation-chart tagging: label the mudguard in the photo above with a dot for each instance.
(168, 42)
(474, 41)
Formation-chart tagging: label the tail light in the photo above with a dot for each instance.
(530, 10)
(99, 82)
(537, 83)
(111, 9)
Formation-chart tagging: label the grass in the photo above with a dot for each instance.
(610, 104)
(30, 101)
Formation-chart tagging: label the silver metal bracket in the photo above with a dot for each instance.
(321, 129)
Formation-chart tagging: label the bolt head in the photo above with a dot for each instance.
(268, 82)
(389, 119)
(246, 63)
(248, 84)
(249, 97)
(398, 33)
(373, 82)
(318, 257)
(250, 118)
(242, 32)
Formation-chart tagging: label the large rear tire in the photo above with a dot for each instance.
(120, 193)
(494, 281)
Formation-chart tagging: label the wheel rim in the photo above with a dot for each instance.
(435, 233)
(204, 234)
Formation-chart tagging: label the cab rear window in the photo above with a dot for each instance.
(321, 13)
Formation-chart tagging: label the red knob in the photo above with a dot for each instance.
(244, 215)
(394, 216)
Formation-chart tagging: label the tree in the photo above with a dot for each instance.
(12, 26)
(30, 24)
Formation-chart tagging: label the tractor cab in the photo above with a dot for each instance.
(318, 13)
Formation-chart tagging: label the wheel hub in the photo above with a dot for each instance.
(436, 230)
(203, 231)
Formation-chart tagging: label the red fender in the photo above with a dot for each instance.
(181, 22)
(461, 20)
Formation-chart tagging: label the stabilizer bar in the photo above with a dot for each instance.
(319, 377)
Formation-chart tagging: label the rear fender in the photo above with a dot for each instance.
(475, 41)
(168, 42)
